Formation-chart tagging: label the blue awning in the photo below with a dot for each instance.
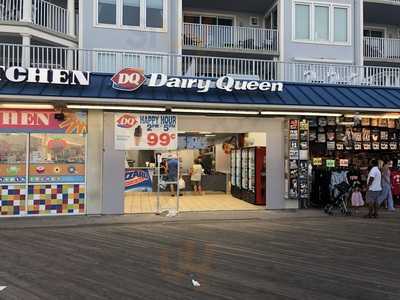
(294, 95)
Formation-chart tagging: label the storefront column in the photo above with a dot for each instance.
(27, 11)
(275, 165)
(26, 53)
(113, 171)
(71, 17)
(94, 163)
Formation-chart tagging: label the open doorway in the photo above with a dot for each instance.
(215, 172)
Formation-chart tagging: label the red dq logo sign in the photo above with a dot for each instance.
(128, 79)
(127, 121)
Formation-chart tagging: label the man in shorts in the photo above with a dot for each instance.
(374, 190)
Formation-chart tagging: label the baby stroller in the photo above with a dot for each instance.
(339, 198)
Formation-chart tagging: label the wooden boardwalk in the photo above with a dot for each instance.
(282, 258)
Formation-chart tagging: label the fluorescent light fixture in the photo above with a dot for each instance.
(210, 135)
(299, 113)
(384, 116)
(124, 108)
(214, 111)
(26, 106)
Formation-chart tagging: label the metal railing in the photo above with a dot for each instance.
(382, 48)
(196, 66)
(11, 10)
(50, 16)
(44, 13)
(390, 1)
(230, 37)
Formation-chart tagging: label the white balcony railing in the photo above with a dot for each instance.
(50, 16)
(230, 37)
(382, 48)
(196, 66)
(44, 14)
(11, 10)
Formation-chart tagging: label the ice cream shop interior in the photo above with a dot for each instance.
(215, 171)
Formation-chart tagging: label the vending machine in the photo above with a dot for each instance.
(248, 181)
(257, 176)
(245, 169)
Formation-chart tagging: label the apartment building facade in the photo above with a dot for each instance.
(325, 58)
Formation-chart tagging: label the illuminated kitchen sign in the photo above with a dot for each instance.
(131, 79)
(38, 75)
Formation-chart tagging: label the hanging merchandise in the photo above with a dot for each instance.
(365, 122)
(331, 121)
(317, 161)
(367, 146)
(330, 163)
(343, 163)
(366, 134)
(382, 123)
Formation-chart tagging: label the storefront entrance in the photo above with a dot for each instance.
(215, 171)
(42, 166)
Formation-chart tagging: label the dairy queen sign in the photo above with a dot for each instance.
(131, 79)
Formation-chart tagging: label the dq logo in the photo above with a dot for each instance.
(127, 121)
(128, 79)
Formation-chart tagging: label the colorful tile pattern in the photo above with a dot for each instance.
(56, 199)
(12, 200)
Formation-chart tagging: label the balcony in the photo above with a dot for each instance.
(382, 49)
(397, 2)
(196, 66)
(44, 14)
(230, 38)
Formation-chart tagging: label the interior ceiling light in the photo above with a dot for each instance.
(299, 113)
(384, 116)
(123, 108)
(26, 106)
(214, 111)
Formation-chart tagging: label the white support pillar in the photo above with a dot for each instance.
(71, 17)
(275, 171)
(27, 11)
(26, 56)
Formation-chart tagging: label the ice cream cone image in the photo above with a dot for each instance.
(137, 135)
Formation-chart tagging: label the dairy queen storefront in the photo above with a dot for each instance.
(77, 143)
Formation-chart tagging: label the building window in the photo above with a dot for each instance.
(341, 29)
(208, 20)
(302, 22)
(321, 27)
(154, 13)
(131, 13)
(138, 14)
(107, 12)
(316, 22)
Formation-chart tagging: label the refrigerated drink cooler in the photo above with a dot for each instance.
(248, 174)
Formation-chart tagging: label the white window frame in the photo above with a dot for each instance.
(377, 28)
(203, 14)
(332, 6)
(256, 18)
(119, 17)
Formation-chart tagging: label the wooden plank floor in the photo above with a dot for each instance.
(147, 203)
(284, 258)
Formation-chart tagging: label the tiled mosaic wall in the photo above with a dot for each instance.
(56, 199)
(43, 199)
(12, 200)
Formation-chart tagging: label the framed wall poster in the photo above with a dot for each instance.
(145, 131)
